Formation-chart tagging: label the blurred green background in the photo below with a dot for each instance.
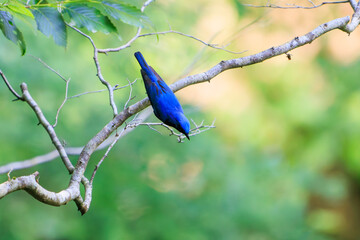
(282, 162)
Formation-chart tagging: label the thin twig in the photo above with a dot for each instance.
(149, 125)
(50, 68)
(8, 174)
(215, 46)
(270, 5)
(18, 97)
(193, 132)
(312, 3)
(106, 154)
(138, 35)
(63, 103)
(130, 95)
(162, 124)
(67, 81)
(192, 37)
(145, 5)
(102, 90)
(128, 44)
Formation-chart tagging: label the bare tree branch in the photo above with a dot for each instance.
(353, 4)
(18, 97)
(215, 46)
(312, 3)
(355, 20)
(116, 87)
(31, 162)
(50, 130)
(195, 131)
(31, 185)
(290, 6)
(339, 23)
(147, 3)
(50, 68)
(192, 37)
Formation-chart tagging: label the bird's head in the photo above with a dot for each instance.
(183, 125)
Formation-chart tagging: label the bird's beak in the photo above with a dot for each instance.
(187, 136)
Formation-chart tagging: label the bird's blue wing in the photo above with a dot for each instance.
(165, 94)
(161, 97)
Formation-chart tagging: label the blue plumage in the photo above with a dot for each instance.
(166, 106)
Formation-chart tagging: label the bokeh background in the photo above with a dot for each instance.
(282, 163)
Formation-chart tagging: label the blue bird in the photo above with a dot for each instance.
(166, 106)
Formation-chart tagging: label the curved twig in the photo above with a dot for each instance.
(31, 185)
(355, 20)
(18, 97)
(270, 5)
(63, 102)
(215, 46)
(116, 87)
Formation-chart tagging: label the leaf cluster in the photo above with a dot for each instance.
(52, 17)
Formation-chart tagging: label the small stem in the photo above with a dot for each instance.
(18, 97)
(63, 103)
(270, 5)
(106, 154)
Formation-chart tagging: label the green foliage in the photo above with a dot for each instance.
(50, 18)
(89, 18)
(10, 30)
(125, 13)
(18, 8)
(241, 10)
(50, 22)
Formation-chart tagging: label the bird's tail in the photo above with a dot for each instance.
(141, 60)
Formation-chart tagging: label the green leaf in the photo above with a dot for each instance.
(126, 13)
(19, 8)
(50, 22)
(89, 17)
(240, 8)
(10, 30)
